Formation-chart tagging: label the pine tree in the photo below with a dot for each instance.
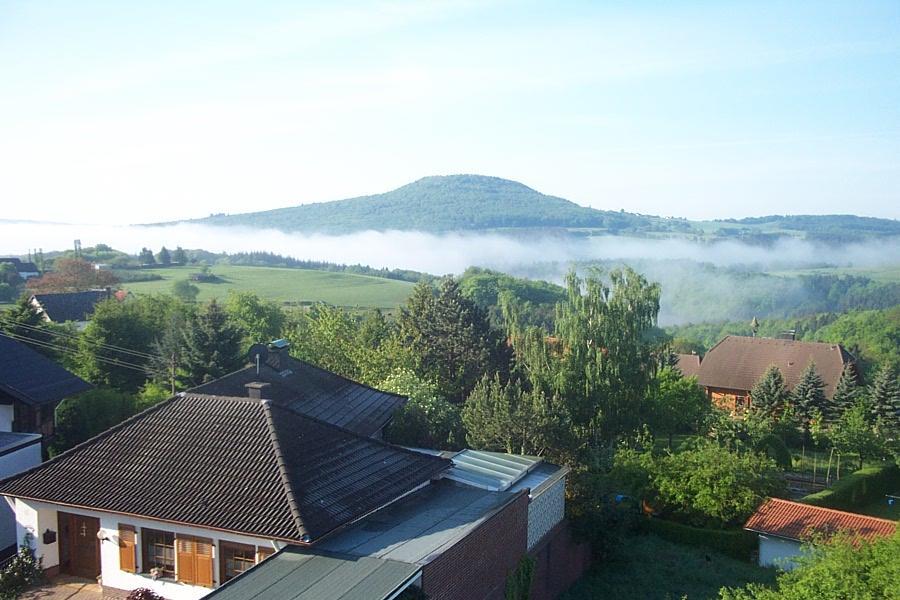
(845, 394)
(212, 345)
(884, 397)
(809, 394)
(164, 257)
(452, 339)
(769, 395)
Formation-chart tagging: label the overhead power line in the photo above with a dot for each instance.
(66, 349)
(74, 336)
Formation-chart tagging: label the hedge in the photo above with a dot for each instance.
(858, 488)
(736, 543)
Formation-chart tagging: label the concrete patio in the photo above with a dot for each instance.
(66, 588)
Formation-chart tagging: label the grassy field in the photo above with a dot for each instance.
(652, 568)
(285, 285)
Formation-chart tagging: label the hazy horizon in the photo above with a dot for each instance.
(143, 113)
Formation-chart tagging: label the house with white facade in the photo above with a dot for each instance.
(784, 527)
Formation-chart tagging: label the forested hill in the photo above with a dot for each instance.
(479, 203)
(444, 203)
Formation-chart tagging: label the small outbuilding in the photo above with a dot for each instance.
(784, 526)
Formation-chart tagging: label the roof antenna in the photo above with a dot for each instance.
(258, 353)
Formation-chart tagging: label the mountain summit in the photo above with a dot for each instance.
(438, 203)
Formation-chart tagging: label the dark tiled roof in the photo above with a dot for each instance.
(70, 306)
(797, 521)
(738, 362)
(232, 464)
(31, 377)
(21, 267)
(314, 392)
(688, 364)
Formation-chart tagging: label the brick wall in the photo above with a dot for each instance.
(476, 567)
(558, 562)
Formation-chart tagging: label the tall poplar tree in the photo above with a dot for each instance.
(602, 356)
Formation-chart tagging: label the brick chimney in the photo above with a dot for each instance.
(257, 390)
(278, 354)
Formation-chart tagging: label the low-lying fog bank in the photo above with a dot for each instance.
(670, 261)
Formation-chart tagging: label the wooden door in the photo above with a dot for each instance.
(79, 549)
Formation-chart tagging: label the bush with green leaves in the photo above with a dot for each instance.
(22, 572)
(839, 569)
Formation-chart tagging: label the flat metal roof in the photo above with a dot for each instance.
(297, 574)
(421, 526)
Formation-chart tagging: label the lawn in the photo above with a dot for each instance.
(650, 567)
(285, 285)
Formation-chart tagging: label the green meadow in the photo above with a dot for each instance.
(284, 285)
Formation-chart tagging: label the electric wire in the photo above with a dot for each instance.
(68, 350)
(75, 336)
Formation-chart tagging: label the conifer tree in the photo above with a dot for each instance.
(212, 345)
(845, 395)
(884, 397)
(809, 394)
(164, 257)
(769, 395)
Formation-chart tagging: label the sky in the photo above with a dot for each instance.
(134, 112)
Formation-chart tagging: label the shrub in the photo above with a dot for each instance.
(23, 571)
(518, 584)
(860, 487)
(144, 594)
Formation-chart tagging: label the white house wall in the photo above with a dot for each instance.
(778, 552)
(545, 511)
(111, 575)
(11, 463)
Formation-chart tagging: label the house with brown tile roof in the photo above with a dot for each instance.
(784, 526)
(688, 364)
(733, 366)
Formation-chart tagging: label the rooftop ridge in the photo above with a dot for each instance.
(282, 469)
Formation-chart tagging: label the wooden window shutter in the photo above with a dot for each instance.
(127, 549)
(195, 560)
(203, 565)
(184, 550)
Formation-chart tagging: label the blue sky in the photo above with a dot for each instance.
(122, 112)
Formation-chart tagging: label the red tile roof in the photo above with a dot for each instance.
(738, 362)
(797, 521)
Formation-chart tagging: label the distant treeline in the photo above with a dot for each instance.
(269, 259)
